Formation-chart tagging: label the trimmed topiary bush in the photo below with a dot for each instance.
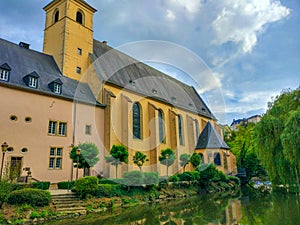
(86, 185)
(108, 190)
(31, 196)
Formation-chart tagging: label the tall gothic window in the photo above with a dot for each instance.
(79, 17)
(161, 126)
(136, 121)
(217, 159)
(180, 130)
(196, 129)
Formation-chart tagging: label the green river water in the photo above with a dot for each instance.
(274, 209)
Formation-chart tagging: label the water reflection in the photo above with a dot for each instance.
(251, 209)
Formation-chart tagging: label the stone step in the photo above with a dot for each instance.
(69, 204)
(77, 208)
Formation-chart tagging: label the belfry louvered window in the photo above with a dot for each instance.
(136, 121)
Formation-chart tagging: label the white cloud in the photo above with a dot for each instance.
(190, 7)
(241, 21)
(170, 15)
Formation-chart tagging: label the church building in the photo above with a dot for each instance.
(82, 90)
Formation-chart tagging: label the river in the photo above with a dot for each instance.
(273, 209)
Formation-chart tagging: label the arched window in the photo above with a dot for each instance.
(180, 130)
(79, 17)
(217, 159)
(136, 121)
(56, 16)
(161, 126)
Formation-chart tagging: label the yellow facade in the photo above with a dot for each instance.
(70, 41)
(63, 37)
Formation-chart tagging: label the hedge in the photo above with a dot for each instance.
(66, 184)
(44, 185)
(34, 197)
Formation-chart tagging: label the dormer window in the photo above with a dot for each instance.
(4, 72)
(31, 80)
(56, 86)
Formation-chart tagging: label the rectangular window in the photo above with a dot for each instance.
(55, 161)
(32, 82)
(57, 88)
(79, 51)
(57, 128)
(62, 130)
(52, 127)
(78, 70)
(4, 75)
(88, 129)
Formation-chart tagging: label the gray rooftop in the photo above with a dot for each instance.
(23, 62)
(119, 69)
(210, 139)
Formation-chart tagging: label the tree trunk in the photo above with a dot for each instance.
(116, 171)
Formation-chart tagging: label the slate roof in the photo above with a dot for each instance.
(24, 62)
(119, 69)
(210, 139)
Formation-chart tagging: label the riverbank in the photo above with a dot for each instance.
(25, 214)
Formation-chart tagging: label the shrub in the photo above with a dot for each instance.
(108, 190)
(34, 197)
(44, 185)
(5, 189)
(86, 185)
(174, 178)
(106, 181)
(189, 176)
(150, 178)
(133, 178)
(234, 179)
(66, 184)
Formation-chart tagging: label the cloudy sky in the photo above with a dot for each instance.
(250, 47)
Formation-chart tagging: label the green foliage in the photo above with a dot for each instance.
(184, 160)
(189, 176)
(234, 179)
(5, 189)
(44, 185)
(174, 178)
(277, 138)
(244, 147)
(34, 197)
(167, 157)
(86, 185)
(66, 184)
(195, 159)
(118, 154)
(88, 155)
(139, 159)
(133, 178)
(150, 178)
(108, 190)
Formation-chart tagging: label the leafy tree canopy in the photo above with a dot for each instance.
(139, 159)
(278, 137)
(195, 159)
(167, 157)
(88, 155)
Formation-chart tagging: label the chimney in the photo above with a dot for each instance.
(24, 45)
(104, 42)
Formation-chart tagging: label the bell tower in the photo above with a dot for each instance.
(68, 35)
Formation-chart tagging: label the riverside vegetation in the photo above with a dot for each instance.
(135, 187)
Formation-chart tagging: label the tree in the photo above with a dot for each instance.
(244, 148)
(118, 155)
(167, 158)
(88, 156)
(184, 160)
(139, 159)
(277, 139)
(195, 159)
